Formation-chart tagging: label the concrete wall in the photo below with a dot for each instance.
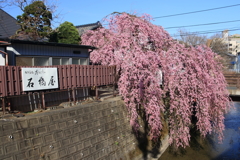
(98, 130)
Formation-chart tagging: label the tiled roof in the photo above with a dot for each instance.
(8, 26)
(92, 26)
(17, 41)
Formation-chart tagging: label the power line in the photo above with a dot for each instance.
(201, 33)
(202, 24)
(196, 11)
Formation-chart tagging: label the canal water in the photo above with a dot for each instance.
(210, 149)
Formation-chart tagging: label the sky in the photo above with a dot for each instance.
(81, 12)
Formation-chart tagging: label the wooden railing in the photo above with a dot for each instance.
(71, 78)
(233, 79)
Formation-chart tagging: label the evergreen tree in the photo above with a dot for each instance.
(66, 33)
(35, 22)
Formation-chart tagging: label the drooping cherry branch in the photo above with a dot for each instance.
(142, 51)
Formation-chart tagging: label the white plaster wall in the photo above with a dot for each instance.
(2, 59)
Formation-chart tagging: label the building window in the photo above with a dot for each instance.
(65, 61)
(76, 61)
(84, 61)
(81, 61)
(41, 61)
(230, 44)
(24, 61)
(60, 61)
(46, 61)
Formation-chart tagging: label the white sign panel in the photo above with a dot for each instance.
(39, 78)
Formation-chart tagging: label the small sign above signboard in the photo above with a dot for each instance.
(39, 79)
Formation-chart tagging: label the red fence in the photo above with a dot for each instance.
(69, 76)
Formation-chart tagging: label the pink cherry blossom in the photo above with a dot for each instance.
(142, 51)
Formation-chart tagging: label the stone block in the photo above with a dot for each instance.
(4, 139)
(82, 136)
(102, 153)
(96, 123)
(55, 117)
(33, 152)
(66, 142)
(75, 138)
(25, 144)
(88, 134)
(55, 145)
(72, 113)
(72, 149)
(17, 135)
(90, 125)
(21, 156)
(85, 152)
(91, 157)
(48, 138)
(83, 127)
(62, 125)
(68, 158)
(45, 120)
(37, 141)
(99, 146)
(79, 146)
(67, 132)
(62, 153)
(92, 108)
(85, 117)
(78, 155)
(96, 155)
(7, 127)
(86, 110)
(102, 121)
(41, 130)
(100, 138)
(107, 127)
(80, 111)
(11, 148)
(58, 135)
(1, 151)
(71, 122)
(45, 149)
(28, 133)
(87, 143)
(64, 115)
(104, 113)
(94, 140)
(76, 129)
(7, 158)
(33, 122)
(53, 156)
(52, 127)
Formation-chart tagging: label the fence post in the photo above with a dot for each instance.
(30, 103)
(43, 101)
(69, 95)
(3, 105)
(96, 89)
(74, 96)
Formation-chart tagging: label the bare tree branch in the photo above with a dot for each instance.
(192, 39)
(52, 6)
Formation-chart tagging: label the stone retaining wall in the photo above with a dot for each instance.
(98, 130)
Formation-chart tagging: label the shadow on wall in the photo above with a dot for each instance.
(147, 147)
